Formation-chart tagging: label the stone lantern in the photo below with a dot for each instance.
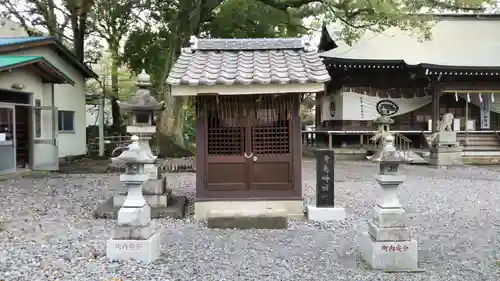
(387, 244)
(383, 123)
(143, 108)
(134, 238)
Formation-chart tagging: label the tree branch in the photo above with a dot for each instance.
(284, 5)
(17, 14)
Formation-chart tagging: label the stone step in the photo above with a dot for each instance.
(492, 144)
(269, 219)
(481, 160)
(481, 148)
(479, 138)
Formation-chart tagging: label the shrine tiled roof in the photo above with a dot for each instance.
(458, 42)
(248, 61)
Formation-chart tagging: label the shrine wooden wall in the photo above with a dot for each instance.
(417, 120)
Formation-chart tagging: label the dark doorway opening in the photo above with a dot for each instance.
(22, 103)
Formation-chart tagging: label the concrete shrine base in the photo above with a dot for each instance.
(389, 255)
(325, 213)
(139, 250)
(175, 210)
(294, 209)
(270, 219)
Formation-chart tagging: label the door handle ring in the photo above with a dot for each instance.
(248, 156)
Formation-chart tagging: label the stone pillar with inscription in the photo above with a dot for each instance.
(325, 209)
(388, 245)
(134, 238)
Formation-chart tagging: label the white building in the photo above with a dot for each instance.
(42, 103)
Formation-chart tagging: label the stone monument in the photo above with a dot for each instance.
(134, 238)
(445, 150)
(325, 209)
(388, 245)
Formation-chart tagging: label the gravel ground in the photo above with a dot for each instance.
(50, 235)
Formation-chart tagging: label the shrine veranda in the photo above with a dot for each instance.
(49, 233)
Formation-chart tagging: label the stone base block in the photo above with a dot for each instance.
(150, 187)
(153, 171)
(154, 201)
(145, 251)
(325, 214)
(389, 233)
(270, 219)
(134, 216)
(446, 158)
(448, 138)
(175, 209)
(389, 217)
(155, 187)
(133, 232)
(389, 255)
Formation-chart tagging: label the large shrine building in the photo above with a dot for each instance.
(416, 81)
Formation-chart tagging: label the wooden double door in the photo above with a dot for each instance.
(249, 148)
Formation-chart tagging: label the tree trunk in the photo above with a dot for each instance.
(78, 28)
(115, 108)
(79, 39)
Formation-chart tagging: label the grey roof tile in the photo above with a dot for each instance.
(247, 61)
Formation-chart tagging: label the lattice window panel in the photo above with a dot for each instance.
(226, 141)
(270, 140)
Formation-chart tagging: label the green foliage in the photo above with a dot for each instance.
(355, 17)
(65, 19)
(148, 49)
(98, 88)
(189, 125)
(252, 19)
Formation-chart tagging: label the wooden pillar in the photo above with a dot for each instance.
(436, 93)
(319, 110)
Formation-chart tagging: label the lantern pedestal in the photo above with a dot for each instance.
(145, 251)
(389, 255)
(387, 244)
(134, 237)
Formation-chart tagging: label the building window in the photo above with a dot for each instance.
(66, 121)
(38, 118)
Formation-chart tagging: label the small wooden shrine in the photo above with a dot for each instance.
(248, 136)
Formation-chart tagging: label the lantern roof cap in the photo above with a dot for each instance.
(142, 99)
(388, 153)
(134, 154)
